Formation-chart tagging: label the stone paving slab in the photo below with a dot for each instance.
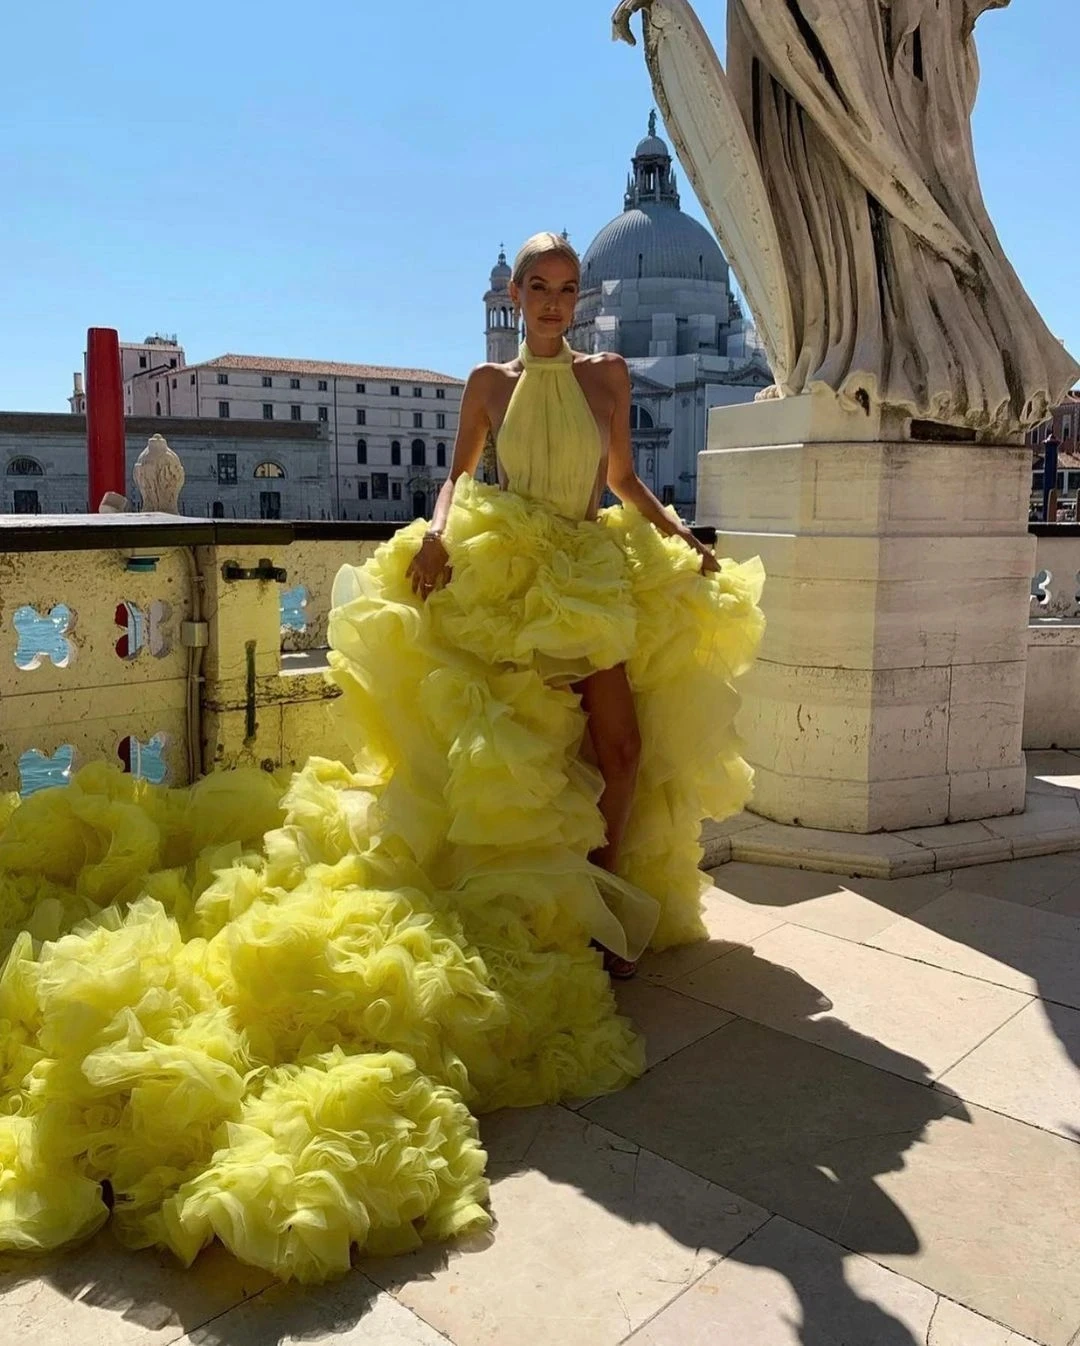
(1029, 1068)
(786, 1286)
(594, 1236)
(1029, 882)
(102, 1295)
(981, 1208)
(852, 908)
(350, 1312)
(902, 1008)
(1025, 948)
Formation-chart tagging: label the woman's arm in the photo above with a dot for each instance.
(622, 477)
(430, 567)
(473, 426)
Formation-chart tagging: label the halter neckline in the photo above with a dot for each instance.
(531, 360)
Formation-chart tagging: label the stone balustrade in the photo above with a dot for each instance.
(174, 645)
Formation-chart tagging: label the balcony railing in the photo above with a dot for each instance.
(176, 645)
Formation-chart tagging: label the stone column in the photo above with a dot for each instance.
(890, 689)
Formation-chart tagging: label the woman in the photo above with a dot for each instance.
(269, 1018)
(544, 291)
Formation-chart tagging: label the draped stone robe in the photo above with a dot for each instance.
(860, 115)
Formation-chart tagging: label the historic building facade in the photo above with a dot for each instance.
(388, 433)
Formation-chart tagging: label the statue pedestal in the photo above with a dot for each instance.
(890, 689)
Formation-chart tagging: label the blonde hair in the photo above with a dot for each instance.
(541, 245)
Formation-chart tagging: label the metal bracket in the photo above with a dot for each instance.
(265, 570)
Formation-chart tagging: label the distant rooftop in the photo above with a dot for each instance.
(272, 364)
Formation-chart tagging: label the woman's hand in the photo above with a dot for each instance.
(430, 568)
(709, 564)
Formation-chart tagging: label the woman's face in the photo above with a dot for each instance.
(547, 296)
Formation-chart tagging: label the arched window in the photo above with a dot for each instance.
(25, 467)
(361, 450)
(640, 419)
(395, 453)
(440, 455)
(217, 510)
(269, 470)
(419, 453)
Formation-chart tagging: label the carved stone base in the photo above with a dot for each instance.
(890, 689)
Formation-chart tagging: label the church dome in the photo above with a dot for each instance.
(652, 147)
(653, 239)
(500, 272)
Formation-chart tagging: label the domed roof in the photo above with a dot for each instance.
(500, 272)
(653, 239)
(652, 147)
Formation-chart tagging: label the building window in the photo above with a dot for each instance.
(269, 504)
(395, 391)
(25, 467)
(440, 394)
(395, 490)
(419, 456)
(142, 361)
(440, 420)
(440, 455)
(361, 387)
(267, 381)
(172, 363)
(294, 412)
(417, 391)
(226, 469)
(667, 495)
(418, 420)
(223, 410)
(217, 510)
(174, 383)
(157, 408)
(26, 502)
(193, 380)
(157, 386)
(419, 504)
(361, 416)
(268, 411)
(294, 383)
(640, 419)
(322, 385)
(380, 486)
(361, 490)
(269, 469)
(361, 450)
(395, 453)
(223, 378)
(324, 413)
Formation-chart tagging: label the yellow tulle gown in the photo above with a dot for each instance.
(268, 1012)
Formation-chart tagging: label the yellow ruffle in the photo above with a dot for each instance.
(267, 1012)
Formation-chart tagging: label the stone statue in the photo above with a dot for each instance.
(834, 158)
(159, 475)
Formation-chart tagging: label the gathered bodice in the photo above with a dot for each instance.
(549, 446)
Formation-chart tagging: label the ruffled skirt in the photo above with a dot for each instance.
(269, 1013)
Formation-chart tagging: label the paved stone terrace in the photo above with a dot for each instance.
(860, 1127)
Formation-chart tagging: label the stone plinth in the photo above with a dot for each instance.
(890, 689)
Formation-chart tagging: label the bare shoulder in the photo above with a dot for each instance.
(606, 367)
(490, 375)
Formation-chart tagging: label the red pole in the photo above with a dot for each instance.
(104, 415)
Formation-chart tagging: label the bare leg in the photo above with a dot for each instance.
(616, 742)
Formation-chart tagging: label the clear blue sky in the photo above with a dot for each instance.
(333, 180)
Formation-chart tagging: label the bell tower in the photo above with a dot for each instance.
(502, 329)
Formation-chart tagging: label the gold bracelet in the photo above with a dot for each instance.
(433, 535)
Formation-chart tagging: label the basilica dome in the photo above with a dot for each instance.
(652, 238)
